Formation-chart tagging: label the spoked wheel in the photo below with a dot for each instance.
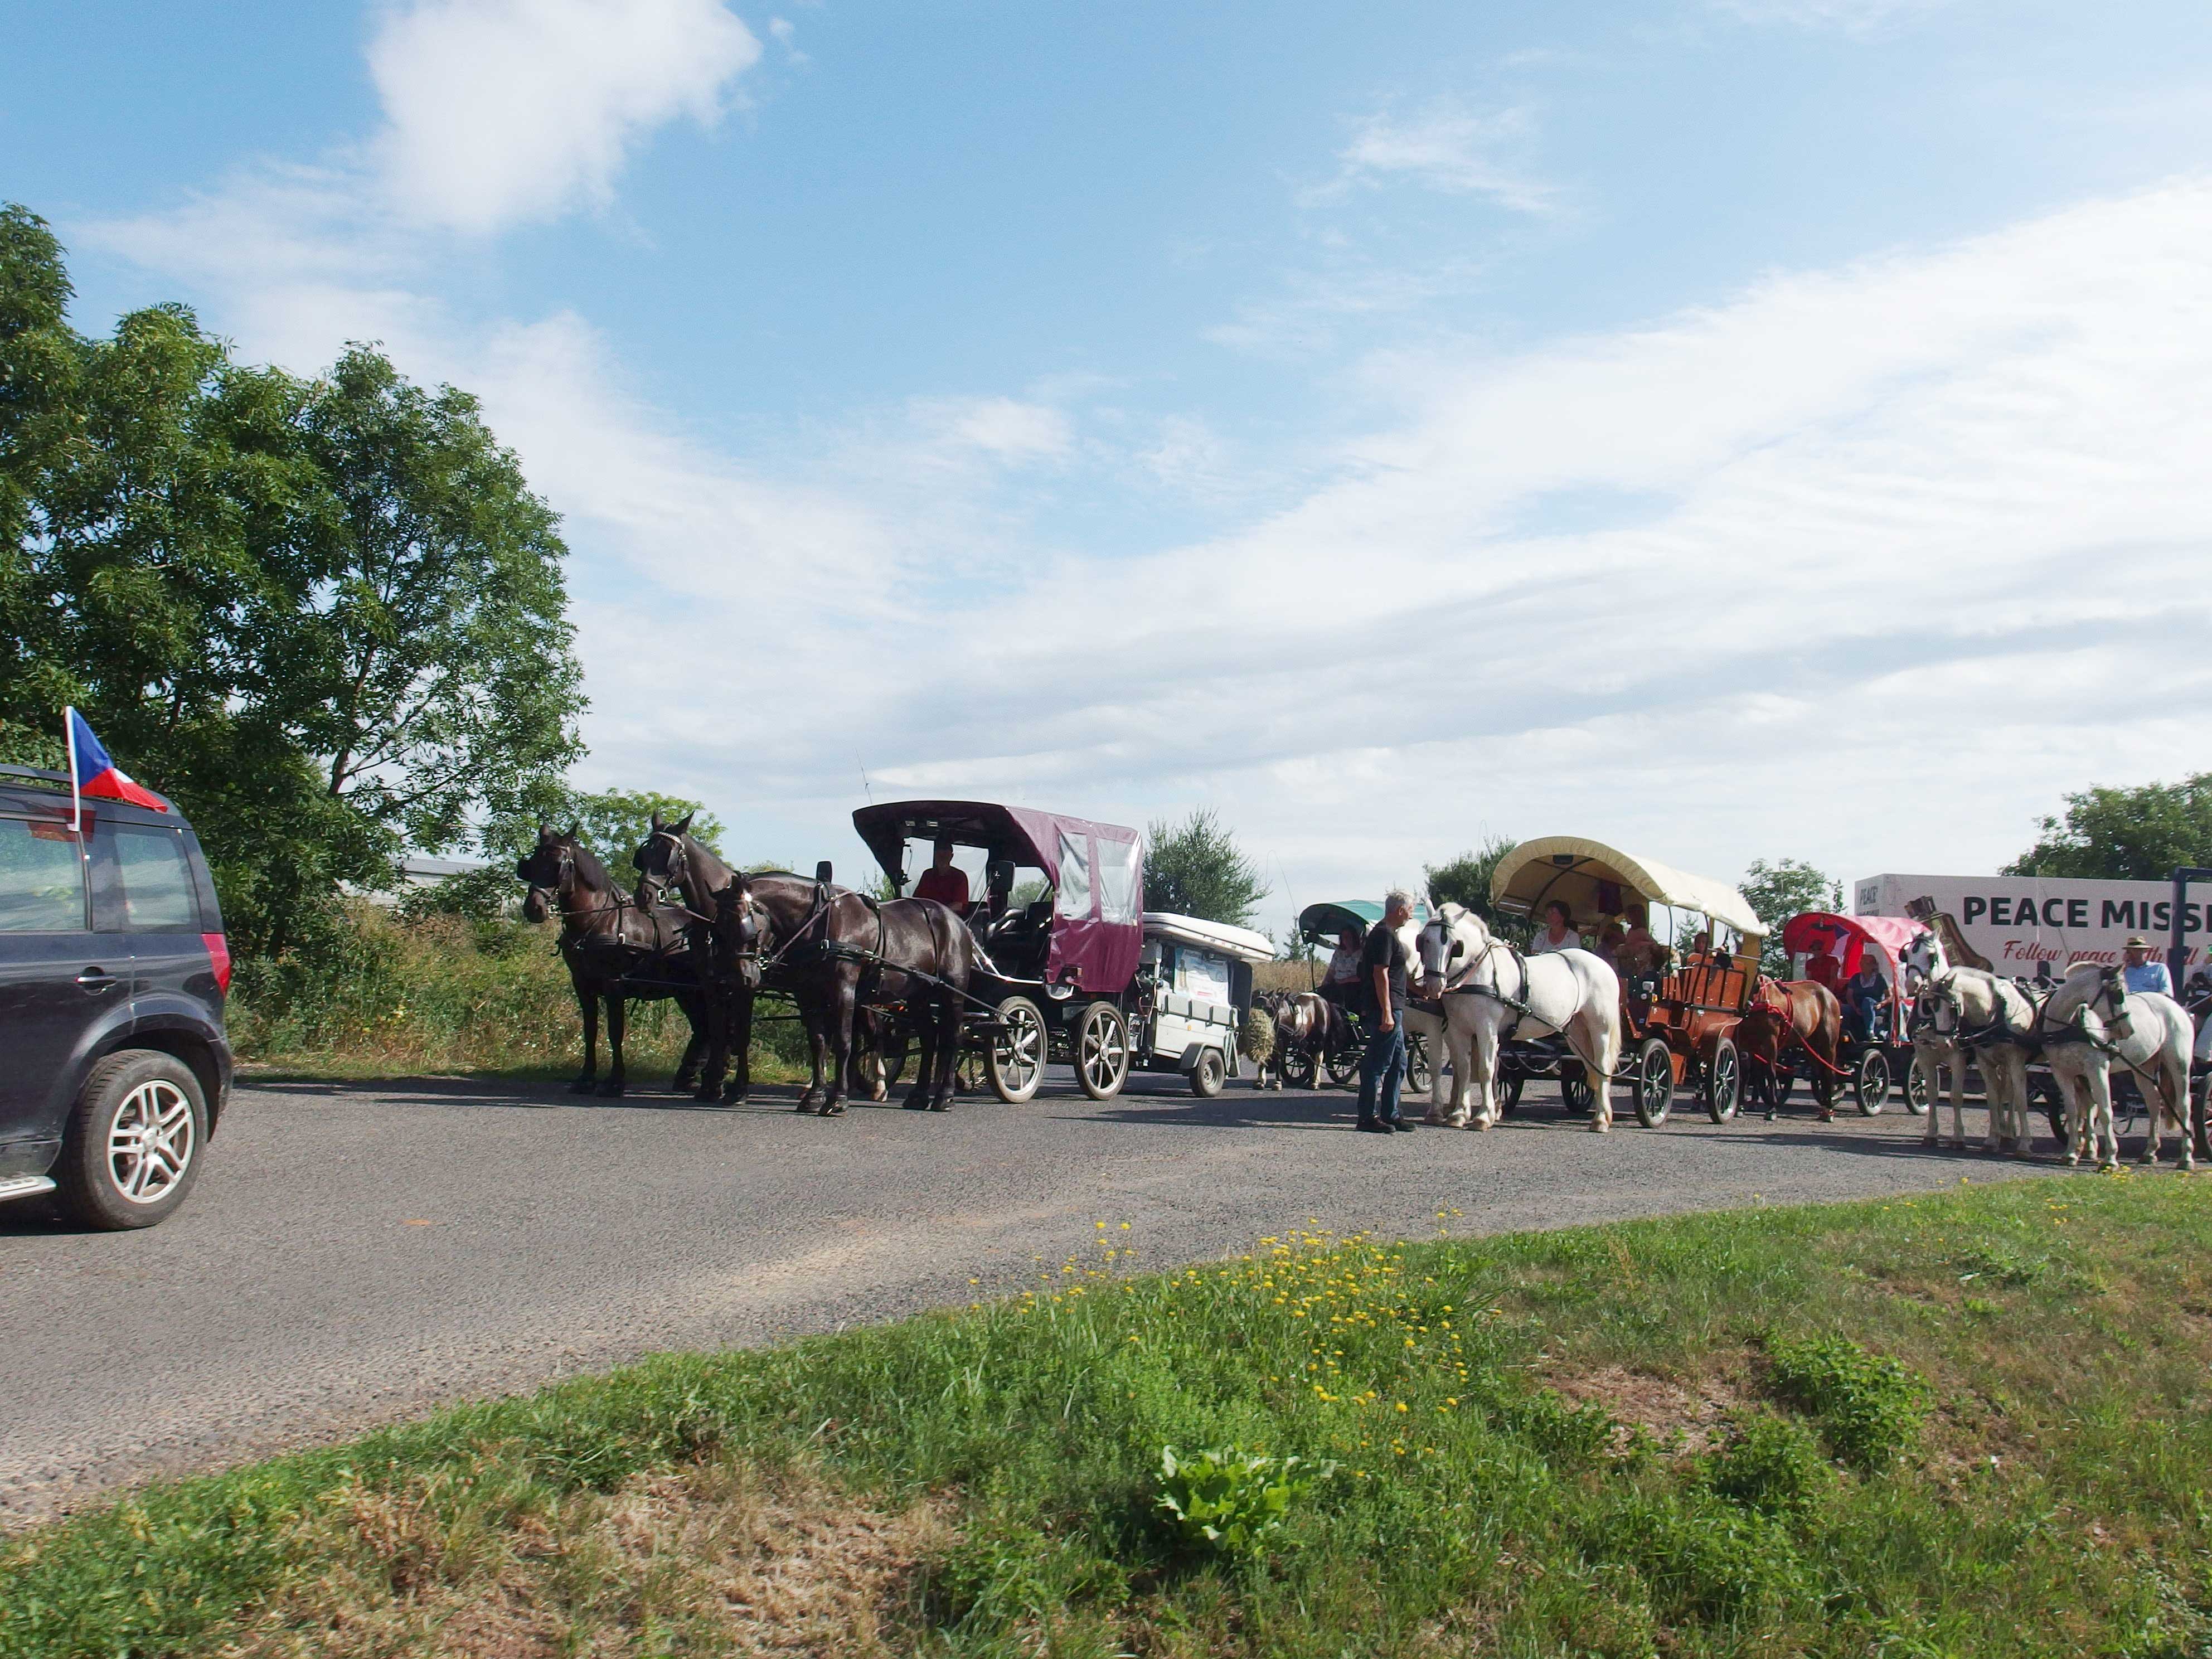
(1015, 1061)
(1509, 1084)
(1919, 1089)
(1343, 1064)
(1870, 1082)
(1101, 1051)
(1419, 1077)
(2046, 1091)
(2199, 1109)
(891, 1049)
(1574, 1090)
(1653, 1079)
(1723, 1087)
(1298, 1067)
(1780, 1078)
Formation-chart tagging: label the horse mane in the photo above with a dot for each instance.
(589, 870)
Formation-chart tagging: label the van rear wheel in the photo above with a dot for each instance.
(131, 1151)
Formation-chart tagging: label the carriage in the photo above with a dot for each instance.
(1678, 1020)
(1829, 949)
(1319, 924)
(1071, 968)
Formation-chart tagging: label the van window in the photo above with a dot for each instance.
(41, 878)
(157, 884)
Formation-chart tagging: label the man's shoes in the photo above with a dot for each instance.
(1372, 1128)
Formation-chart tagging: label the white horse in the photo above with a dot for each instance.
(1492, 992)
(1985, 1016)
(2092, 1020)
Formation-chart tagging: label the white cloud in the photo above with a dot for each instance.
(1006, 429)
(1446, 148)
(501, 111)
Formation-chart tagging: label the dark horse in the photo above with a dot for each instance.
(616, 952)
(1786, 1014)
(1309, 1029)
(835, 950)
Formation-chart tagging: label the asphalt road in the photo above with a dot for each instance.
(356, 1253)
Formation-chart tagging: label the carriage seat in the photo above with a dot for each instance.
(1020, 941)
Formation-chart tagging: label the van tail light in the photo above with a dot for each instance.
(218, 949)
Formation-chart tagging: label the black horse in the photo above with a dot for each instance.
(616, 952)
(835, 952)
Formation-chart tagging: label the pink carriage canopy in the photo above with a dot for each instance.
(1095, 872)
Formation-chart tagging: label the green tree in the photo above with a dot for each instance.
(615, 823)
(1196, 869)
(326, 616)
(1466, 879)
(1779, 891)
(2125, 835)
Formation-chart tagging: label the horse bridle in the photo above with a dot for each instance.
(563, 878)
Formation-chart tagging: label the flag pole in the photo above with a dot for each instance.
(77, 801)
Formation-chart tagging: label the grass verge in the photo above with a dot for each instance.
(1968, 1424)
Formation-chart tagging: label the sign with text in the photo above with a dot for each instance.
(2017, 921)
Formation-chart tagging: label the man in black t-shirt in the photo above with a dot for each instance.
(1383, 973)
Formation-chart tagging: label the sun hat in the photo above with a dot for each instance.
(2136, 941)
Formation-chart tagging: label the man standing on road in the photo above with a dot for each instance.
(1384, 1067)
(2143, 974)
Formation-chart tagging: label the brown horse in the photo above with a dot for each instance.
(835, 951)
(617, 953)
(1787, 1014)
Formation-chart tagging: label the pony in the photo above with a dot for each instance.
(1489, 992)
(606, 941)
(1987, 1017)
(2092, 1019)
(1309, 1027)
(835, 951)
(1793, 1013)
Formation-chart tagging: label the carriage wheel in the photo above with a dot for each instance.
(1574, 1091)
(1870, 1082)
(1343, 1064)
(1418, 1078)
(2199, 1108)
(1298, 1067)
(1101, 1051)
(2045, 1089)
(891, 1049)
(1016, 1058)
(1919, 1089)
(1653, 1077)
(1723, 1087)
(1509, 1084)
(1780, 1078)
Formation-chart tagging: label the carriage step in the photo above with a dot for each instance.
(24, 1187)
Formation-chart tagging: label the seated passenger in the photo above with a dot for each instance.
(1558, 932)
(1339, 984)
(1640, 954)
(1864, 996)
(1610, 940)
(943, 882)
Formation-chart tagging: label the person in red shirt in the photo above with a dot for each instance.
(942, 882)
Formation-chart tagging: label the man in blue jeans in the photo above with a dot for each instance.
(1384, 1067)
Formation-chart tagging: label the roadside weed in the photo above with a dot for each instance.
(1868, 1406)
(1231, 1500)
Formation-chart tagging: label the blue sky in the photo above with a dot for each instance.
(1733, 428)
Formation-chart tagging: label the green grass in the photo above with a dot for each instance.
(1892, 1471)
(444, 995)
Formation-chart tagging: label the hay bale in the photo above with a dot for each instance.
(1258, 1040)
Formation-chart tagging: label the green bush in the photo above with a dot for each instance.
(1769, 1464)
(1700, 1558)
(1868, 1406)
(1231, 1501)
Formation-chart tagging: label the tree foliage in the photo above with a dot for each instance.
(614, 822)
(1779, 891)
(2125, 835)
(326, 616)
(1466, 879)
(1196, 869)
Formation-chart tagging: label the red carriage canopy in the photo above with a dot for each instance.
(1846, 939)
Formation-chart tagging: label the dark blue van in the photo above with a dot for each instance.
(113, 1065)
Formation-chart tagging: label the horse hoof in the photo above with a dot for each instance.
(915, 1102)
(1598, 1128)
(583, 1086)
(609, 1091)
(940, 1103)
(804, 1106)
(733, 1095)
(834, 1109)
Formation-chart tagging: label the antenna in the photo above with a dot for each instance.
(864, 790)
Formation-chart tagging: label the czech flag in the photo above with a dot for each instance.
(95, 773)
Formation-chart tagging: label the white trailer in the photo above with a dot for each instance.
(1193, 984)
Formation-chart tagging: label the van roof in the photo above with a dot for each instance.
(42, 795)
